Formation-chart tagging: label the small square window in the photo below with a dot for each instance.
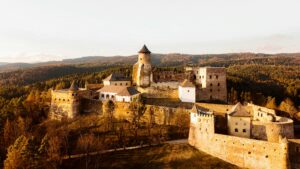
(244, 130)
(236, 130)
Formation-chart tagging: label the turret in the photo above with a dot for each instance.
(144, 56)
(74, 100)
(142, 70)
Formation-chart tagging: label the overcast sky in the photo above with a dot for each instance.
(40, 30)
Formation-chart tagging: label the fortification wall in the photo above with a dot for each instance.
(63, 104)
(165, 85)
(158, 92)
(272, 131)
(244, 152)
(154, 114)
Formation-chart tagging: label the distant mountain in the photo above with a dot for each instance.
(3, 63)
(172, 59)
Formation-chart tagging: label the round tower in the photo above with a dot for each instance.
(142, 70)
(73, 100)
(144, 56)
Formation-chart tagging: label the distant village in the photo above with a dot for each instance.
(244, 134)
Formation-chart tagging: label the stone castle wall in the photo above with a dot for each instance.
(64, 104)
(161, 115)
(244, 152)
(272, 131)
(158, 92)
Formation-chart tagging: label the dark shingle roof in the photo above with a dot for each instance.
(239, 111)
(128, 91)
(73, 86)
(144, 50)
(200, 110)
(116, 77)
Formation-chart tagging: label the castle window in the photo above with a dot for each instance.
(297, 149)
(217, 76)
(126, 84)
(188, 91)
(236, 130)
(210, 76)
(115, 84)
(244, 130)
(141, 59)
(267, 156)
(120, 84)
(211, 90)
(211, 84)
(210, 97)
(236, 123)
(107, 96)
(64, 100)
(202, 77)
(218, 84)
(102, 95)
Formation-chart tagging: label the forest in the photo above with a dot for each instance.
(29, 139)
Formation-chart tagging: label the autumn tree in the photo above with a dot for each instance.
(88, 143)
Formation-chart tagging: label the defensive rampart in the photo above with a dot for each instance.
(243, 152)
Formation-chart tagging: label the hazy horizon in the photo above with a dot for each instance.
(37, 31)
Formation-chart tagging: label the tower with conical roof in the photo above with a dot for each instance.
(142, 70)
(74, 104)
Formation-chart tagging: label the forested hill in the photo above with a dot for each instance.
(172, 59)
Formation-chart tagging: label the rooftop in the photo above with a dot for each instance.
(145, 50)
(200, 110)
(187, 83)
(119, 90)
(128, 91)
(116, 77)
(239, 111)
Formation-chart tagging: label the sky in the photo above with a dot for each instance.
(44, 30)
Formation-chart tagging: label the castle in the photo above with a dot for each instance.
(248, 135)
(194, 84)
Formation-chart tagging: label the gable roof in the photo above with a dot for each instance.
(128, 91)
(200, 110)
(145, 50)
(116, 77)
(119, 90)
(112, 89)
(187, 83)
(239, 111)
(73, 86)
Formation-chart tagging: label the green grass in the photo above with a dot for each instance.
(167, 156)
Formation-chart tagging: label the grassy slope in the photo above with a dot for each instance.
(167, 156)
